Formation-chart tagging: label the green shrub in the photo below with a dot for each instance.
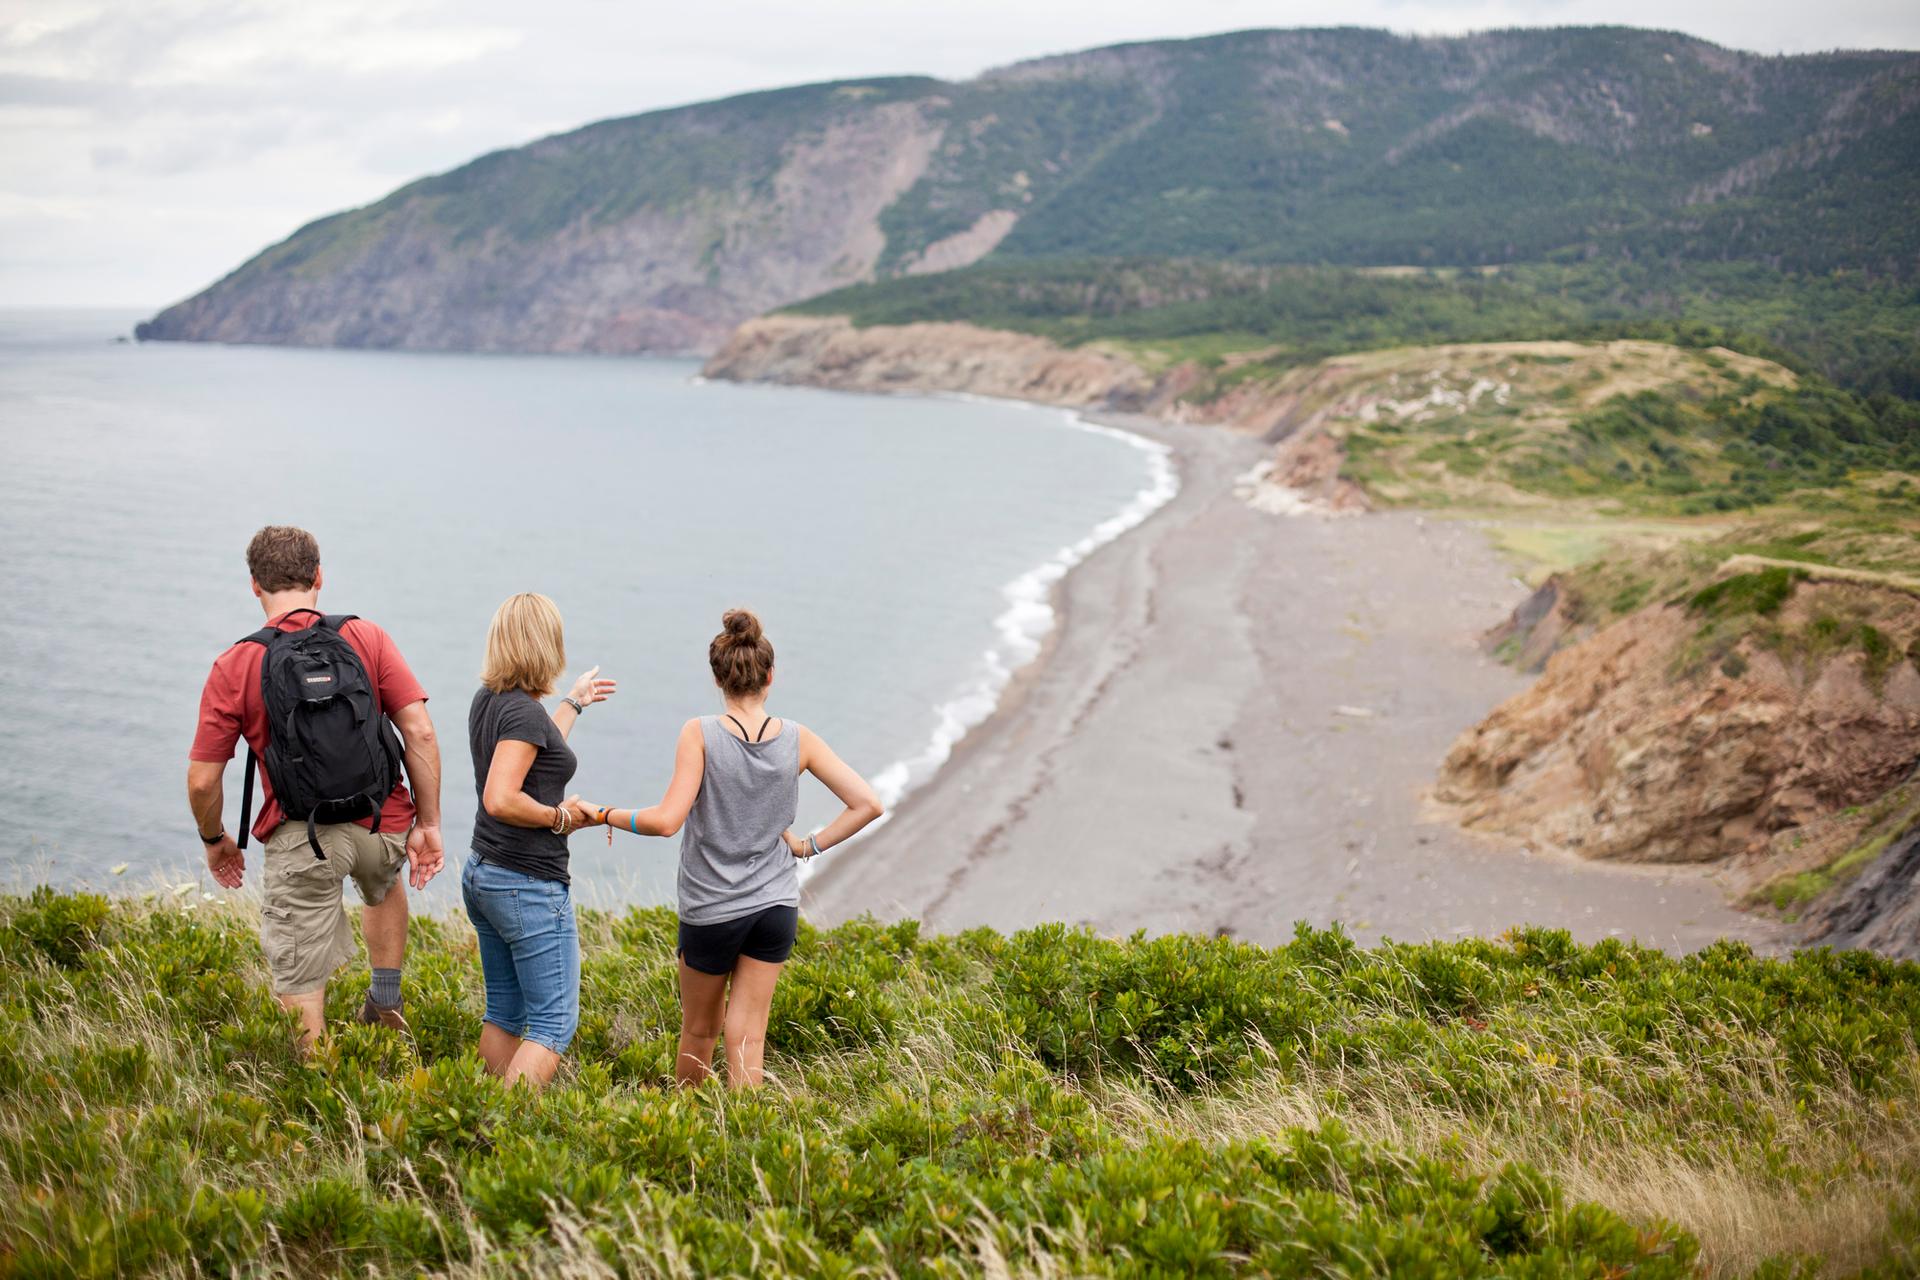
(60, 927)
(944, 1105)
(1761, 592)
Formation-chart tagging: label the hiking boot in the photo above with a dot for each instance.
(384, 1016)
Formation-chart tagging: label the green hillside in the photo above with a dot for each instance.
(1606, 429)
(1341, 146)
(1859, 332)
(1049, 1103)
(1363, 147)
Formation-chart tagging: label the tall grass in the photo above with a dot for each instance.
(1046, 1104)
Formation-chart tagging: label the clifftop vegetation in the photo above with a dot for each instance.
(1856, 331)
(1048, 1103)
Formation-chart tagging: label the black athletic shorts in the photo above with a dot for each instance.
(765, 935)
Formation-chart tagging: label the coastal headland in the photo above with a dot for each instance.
(1234, 725)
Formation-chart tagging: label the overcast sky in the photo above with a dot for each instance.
(151, 145)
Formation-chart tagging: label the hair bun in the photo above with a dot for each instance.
(741, 626)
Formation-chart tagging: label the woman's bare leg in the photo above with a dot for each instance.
(532, 1064)
(703, 1003)
(747, 1004)
(497, 1047)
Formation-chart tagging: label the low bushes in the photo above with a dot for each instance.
(1051, 1101)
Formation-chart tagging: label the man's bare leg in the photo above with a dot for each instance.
(385, 928)
(312, 1008)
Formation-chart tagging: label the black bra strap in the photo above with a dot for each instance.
(743, 729)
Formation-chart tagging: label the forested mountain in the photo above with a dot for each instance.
(1353, 147)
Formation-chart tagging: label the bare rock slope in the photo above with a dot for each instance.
(1639, 743)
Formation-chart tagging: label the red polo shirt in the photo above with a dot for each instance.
(231, 707)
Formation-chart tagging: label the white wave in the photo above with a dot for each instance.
(1023, 625)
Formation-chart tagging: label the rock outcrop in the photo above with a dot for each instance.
(1539, 627)
(961, 358)
(1879, 908)
(1636, 745)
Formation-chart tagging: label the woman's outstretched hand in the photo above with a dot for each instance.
(590, 688)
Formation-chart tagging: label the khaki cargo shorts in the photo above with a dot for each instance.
(303, 921)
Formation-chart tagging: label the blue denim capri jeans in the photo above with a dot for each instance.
(529, 951)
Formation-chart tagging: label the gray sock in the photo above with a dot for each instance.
(386, 987)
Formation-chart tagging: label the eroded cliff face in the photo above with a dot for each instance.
(830, 352)
(1879, 908)
(1630, 747)
(661, 279)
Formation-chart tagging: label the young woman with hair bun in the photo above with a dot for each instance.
(732, 801)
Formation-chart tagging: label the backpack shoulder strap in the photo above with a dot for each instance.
(246, 797)
(264, 636)
(335, 621)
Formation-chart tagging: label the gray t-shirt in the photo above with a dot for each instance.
(515, 716)
(733, 861)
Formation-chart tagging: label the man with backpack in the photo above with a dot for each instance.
(318, 699)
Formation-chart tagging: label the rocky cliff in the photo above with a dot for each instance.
(1685, 733)
(660, 232)
(1878, 908)
(830, 352)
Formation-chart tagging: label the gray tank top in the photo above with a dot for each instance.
(732, 859)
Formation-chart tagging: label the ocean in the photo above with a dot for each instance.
(900, 552)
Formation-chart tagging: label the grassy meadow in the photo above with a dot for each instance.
(1050, 1103)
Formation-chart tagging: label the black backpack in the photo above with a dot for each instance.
(331, 754)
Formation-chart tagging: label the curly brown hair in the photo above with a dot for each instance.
(741, 656)
(283, 558)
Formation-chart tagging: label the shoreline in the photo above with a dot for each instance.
(1027, 626)
(1156, 766)
(1032, 606)
(1021, 678)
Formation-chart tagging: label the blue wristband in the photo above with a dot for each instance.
(813, 846)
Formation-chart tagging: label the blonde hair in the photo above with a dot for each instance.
(525, 646)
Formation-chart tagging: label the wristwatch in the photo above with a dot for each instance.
(213, 839)
(578, 706)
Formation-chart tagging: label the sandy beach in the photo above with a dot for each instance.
(1231, 729)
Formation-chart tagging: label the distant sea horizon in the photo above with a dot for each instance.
(900, 550)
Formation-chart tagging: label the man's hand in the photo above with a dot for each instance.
(226, 862)
(426, 853)
(590, 688)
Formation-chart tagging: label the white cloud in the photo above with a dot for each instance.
(151, 147)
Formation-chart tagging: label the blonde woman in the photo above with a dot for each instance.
(735, 787)
(516, 886)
